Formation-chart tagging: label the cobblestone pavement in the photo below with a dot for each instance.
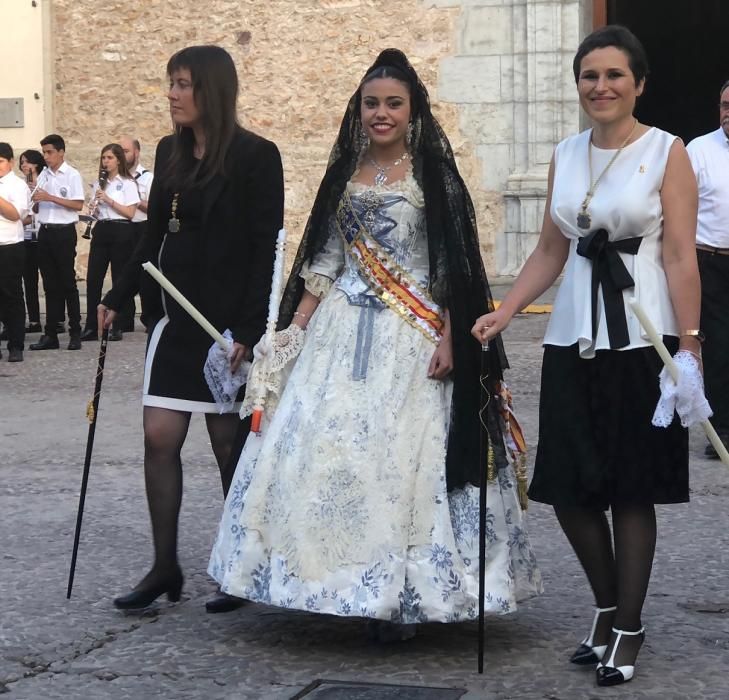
(83, 648)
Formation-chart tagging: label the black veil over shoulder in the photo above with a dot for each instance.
(457, 278)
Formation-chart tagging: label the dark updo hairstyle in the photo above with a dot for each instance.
(386, 72)
(619, 37)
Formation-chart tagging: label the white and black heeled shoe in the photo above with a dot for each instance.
(608, 673)
(587, 653)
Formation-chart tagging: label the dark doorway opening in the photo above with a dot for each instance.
(687, 42)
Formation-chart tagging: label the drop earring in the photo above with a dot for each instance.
(365, 139)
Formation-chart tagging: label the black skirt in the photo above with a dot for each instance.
(597, 445)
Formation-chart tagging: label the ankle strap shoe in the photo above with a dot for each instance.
(587, 653)
(608, 673)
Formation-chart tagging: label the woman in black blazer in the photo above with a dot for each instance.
(215, 208)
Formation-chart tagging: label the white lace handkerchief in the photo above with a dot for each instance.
(223, 383)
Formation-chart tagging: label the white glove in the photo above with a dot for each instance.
(287, 345)
(685, 397)
(271, 368)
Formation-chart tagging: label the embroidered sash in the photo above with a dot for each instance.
(391, 283)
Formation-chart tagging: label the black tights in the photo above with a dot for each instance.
(618, 576)
(164, 434)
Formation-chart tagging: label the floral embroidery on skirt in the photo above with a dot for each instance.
(341, 507)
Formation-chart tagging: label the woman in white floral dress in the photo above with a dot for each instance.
(360, 498)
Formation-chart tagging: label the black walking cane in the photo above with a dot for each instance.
(486, 464)
(92, 412)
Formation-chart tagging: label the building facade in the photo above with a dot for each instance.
(499, 72)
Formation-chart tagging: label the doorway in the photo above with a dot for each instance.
(688, 52)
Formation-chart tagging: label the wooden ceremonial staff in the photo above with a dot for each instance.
(92, 412)
(484, 459)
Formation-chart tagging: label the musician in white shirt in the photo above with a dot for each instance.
(115, 198)
(14, 206)
(143, 178)
(31, 164)
(60, 196)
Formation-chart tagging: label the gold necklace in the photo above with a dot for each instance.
(584, 220)
(173, 225)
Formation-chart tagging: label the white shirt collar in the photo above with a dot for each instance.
(720, 135)
(62, 168)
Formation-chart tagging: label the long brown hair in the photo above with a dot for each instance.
(118, 152)
(215, 91)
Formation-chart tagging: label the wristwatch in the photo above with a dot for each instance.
(695, 333)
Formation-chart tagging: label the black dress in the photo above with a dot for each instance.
(221, 259)
(178, 346)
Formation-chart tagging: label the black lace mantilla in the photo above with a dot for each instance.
(458, 280)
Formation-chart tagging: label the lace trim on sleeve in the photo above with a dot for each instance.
(318, 284)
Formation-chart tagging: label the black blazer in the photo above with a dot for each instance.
(242, 214)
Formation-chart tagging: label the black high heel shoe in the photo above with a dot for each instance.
(587, 653)
(143, 596)
(223, 602)
(610, 674)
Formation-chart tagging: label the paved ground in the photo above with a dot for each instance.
(83, 648)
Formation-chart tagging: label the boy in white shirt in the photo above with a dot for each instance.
(60, 197)
(14, 207)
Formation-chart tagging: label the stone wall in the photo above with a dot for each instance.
(511, 77)
(298, 62)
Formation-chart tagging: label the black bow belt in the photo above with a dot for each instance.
(609, 271)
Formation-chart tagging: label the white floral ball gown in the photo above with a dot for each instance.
(340, 506)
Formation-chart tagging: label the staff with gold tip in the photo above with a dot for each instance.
(92, 412)
(486, 453)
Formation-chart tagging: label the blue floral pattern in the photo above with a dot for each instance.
(340, 505)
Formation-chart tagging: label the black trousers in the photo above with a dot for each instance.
(714, 271)
(112, 243)
(140, 229)
(30, 281)
(12, 306)
(56, 255)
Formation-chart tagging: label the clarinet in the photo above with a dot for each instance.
(37, 184)
(29, 181)
(94, 205)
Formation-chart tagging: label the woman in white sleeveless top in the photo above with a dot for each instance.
(620, 221)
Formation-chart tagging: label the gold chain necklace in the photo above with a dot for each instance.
(173, 225)
(584, 220)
